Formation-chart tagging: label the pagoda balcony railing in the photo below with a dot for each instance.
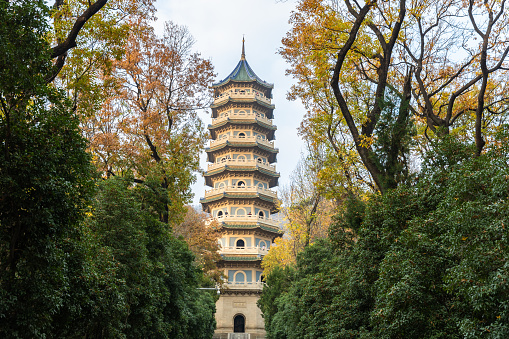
(237, 285)
(244, 250)
(242, 116)
(241, 95)
(236, 162)
(240, 189)
(248, 219)
(242, 139)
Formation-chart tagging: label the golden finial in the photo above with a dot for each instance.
(243, 56)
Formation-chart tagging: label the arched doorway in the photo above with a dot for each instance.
(239, 323)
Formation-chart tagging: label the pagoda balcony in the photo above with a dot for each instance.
(242, 116)
(252, 139)
(241, 95)
(240, 190)
(240, 163)
(244, 250)
(236, 285)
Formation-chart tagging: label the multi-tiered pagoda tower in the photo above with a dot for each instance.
(241, 175)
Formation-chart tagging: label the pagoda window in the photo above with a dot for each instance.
(241, 158)
(261, 214)
(240, 244)
(242, 135)
(219, 214)
(241, 212)
(241, 184)
(239, 277)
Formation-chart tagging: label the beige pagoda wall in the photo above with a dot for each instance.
(228, 306)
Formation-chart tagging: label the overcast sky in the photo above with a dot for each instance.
(218, 27)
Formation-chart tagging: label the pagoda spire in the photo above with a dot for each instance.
(243, 55)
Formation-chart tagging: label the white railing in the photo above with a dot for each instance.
(242, 116)
(244, 285)
(242, 139)
(248, 218)
(244, 250)
(240, 189)
(241, 95)
(236, 162)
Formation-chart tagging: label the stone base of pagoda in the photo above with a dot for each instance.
(238, 303)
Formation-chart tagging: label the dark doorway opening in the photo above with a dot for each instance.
(239, 323)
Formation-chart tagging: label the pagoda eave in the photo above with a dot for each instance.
(239, 100)
(272, 177)
(259, 228)
(268, 129)
(246, 145)
(252, 197)
(234, 103)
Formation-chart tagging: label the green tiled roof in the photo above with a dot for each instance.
(241, 258)
(243, 72)
(263, 227)
(245, 122)
(242, 144)
(264, 104)
(238, 196)
(244, 168)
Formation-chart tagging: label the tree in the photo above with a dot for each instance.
(414, 59)
(159, 294)
(201, 235)
(421, 261)
(149, 124)
(306, 210)
(85, 34)
(45, 176)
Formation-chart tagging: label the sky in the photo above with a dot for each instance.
(218, 27)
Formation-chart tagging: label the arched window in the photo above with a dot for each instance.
(239, 322)
(241, 212)
(241, 158)
(260, 160)
(242, 135)
(262, 244)
(260, 185)
(240, 244)
(241, 184)
(242, 112)
(221, 185)
(261, 214)
(219, 214)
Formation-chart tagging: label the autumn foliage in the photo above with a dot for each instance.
(435, 65)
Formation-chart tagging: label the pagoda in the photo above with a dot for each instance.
(241, 174)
